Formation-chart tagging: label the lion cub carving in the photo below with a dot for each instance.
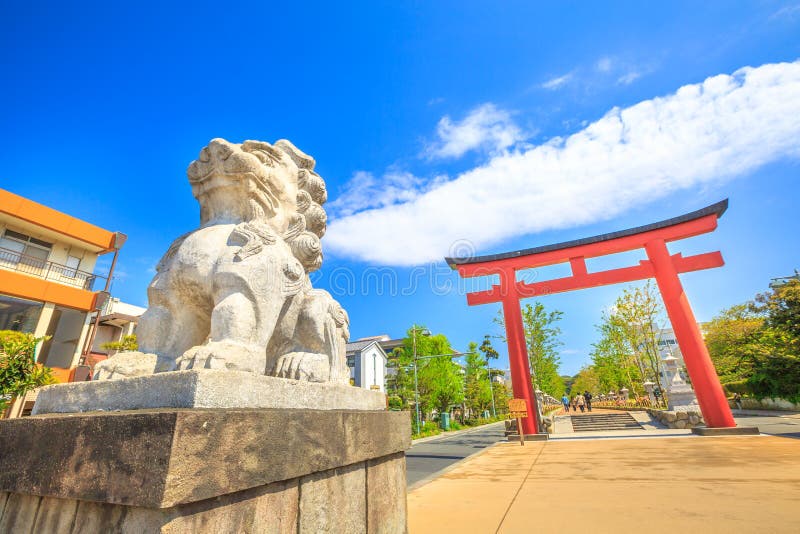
(235, 293)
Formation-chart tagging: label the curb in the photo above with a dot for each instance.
(453, 433)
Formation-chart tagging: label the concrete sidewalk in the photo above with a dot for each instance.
(687, 484)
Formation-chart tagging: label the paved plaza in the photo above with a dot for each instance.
(659, 484)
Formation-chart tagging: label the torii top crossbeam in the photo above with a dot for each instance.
(659, 265)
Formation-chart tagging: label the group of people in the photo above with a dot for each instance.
(582, 401)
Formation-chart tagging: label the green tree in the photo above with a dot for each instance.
(19, 372)
(755, 346)
(639, 311)
(542, 342)
(613, 357)
(782, 309)
(400, 383)
(734, 341)
(441, 381)
(477, 389)
(586, 380)
(500, 392)
(488, 349)
(627, 353)
(441, 384)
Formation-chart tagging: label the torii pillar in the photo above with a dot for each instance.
(662, 266)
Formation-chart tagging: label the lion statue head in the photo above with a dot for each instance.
(256, 182)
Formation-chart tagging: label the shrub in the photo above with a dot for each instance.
(776, 377)
(429, 428)
(395, 403)
(739, 386)
(127, 344)
(19, 372)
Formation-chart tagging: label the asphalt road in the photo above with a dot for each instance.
(425, 459)
(783, 426)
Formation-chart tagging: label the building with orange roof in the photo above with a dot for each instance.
(48, 286)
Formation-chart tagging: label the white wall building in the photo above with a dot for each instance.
(367, 362)
(668, 346)
(117, 320)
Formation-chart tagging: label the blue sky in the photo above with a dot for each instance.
(450, 126)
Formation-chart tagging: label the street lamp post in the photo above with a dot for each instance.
(416, 384)
(491, 390)
(417, 358)
(424, 332)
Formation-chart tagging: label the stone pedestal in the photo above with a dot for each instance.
(681, 396)
(203, 389)
(205, 470)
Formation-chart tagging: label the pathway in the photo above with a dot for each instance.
(677, 484)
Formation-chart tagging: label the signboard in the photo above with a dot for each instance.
(517, 408)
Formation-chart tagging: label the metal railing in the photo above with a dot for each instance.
(49, 270)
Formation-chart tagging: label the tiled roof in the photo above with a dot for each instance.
(356, 346)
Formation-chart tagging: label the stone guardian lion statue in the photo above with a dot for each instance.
(235, 293)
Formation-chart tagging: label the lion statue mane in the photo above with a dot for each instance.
(235, 293)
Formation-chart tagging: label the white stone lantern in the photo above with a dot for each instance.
(648, 386)
(670, 367)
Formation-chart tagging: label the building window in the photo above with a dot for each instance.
(19, 314)
(17, 248)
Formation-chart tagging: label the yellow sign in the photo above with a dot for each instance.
(517, 408)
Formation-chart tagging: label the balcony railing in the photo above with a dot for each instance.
(49, 270)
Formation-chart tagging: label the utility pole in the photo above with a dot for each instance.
(416, 383)
(491, 390)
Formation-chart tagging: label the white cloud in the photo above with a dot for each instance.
(629, 77)
(789, 11)
(559, 81)
(604, 64)
(702, 134)
(364, 191)
(485, 127)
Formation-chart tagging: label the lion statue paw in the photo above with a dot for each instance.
(125, 365)
(303, 366)
(222, 355)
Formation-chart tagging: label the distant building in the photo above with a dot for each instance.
(48, 286)
(775, 283)
(117, 320)
(668, 347)
(367, 361)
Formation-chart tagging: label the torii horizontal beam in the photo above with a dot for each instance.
(581, 279)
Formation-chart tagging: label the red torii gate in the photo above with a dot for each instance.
(660, 265)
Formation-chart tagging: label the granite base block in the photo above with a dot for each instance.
(205, 388)
(205, 471)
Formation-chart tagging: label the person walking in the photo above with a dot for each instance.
(565, 402)
(575, 404)
(588, 398)
(581, 401)
(737, 400)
